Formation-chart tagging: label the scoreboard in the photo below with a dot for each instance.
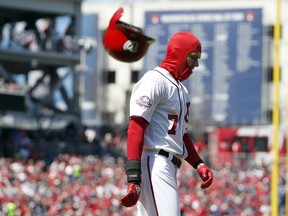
(226, 87)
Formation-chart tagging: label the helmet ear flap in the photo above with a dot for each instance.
(125, 42)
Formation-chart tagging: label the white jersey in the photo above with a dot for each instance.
(164, 102)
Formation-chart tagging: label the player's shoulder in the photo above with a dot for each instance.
(151, 75)
(157, 74)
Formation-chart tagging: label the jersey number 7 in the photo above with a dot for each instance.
(175, 119)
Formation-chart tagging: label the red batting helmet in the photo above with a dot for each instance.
(125, 42)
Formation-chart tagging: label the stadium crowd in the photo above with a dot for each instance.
(65, 173)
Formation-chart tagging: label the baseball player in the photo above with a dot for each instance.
(158, 141)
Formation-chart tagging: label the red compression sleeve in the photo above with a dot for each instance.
(193, 157)
(135, 137)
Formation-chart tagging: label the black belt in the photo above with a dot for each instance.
(176, 161)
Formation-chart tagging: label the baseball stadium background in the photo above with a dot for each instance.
(64, 105)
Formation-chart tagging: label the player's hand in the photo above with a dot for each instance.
(206, 175)
(132, 195)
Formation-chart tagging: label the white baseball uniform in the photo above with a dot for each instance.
(164, 102)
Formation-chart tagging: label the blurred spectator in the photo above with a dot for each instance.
(10, 86)
(282, 192)
(45, 34)
(25, 146)
(23, 36)
(69, 42)
(6, 35)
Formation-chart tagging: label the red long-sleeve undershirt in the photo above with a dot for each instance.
(193, 157)
(135, 137)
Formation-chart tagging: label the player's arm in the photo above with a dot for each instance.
(135, 137)
(135, 141)
(195, 161)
